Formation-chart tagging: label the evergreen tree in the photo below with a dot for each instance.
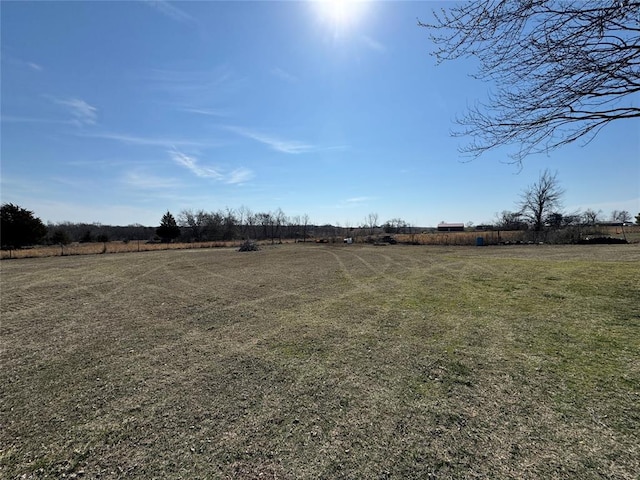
(168, 229)
(19, 227)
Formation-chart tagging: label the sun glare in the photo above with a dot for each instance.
(340, 15)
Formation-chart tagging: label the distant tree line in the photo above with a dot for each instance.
(68, 232)
(510, 220)
(20, 227)
(228, 224)
(539, 213)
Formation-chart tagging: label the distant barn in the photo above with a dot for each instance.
(451, 227)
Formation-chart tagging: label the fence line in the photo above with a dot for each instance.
(106, 247)
(489, 237)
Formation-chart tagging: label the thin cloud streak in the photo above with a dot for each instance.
(83, 113)
(21, 62)
(292, 147)
(239, 176)
(204, 111)
(191, 163)
(170, 11)
(183, 82)
(152, 141)
(235, 177)
(358, 199)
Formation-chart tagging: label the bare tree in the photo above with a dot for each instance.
(395, 225)
(195, 221)
(305, 224)
(621, 216)
(293, 227)
(562, 69)
(264, 220)
(348, 227)
(507, 220)
(541, 199)
(272, 224)
(280, 221)
(372, 222)
(243, 213)
(590, 217)
(337, 230)
(229, 224)
(213, 226)
(251, 219)
(571, 219)
(555, 220)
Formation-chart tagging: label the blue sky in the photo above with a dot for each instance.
(115, 112)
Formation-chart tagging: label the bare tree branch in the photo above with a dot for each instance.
(562, 69)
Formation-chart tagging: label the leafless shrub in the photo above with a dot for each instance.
(248, 246)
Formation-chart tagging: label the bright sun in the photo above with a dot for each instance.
(341, 15)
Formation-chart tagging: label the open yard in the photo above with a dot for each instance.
(323, 361)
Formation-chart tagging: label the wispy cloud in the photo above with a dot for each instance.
(205, 111)
(81, 111)
(191, 163)
(373, 44)
(236, 177)
(184, 82)
(284, 75)
(21, 62)
(293, 147)
(358, 199)
(170, 10)
(192, 88)
(152, 141)
(239, 176)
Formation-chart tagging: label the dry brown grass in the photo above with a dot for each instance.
(323, 361)
(461, 238)
(631, 233)
(107, 247)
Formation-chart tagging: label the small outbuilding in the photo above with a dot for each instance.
(451, 227)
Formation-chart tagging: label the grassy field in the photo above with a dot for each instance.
(323, 361)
